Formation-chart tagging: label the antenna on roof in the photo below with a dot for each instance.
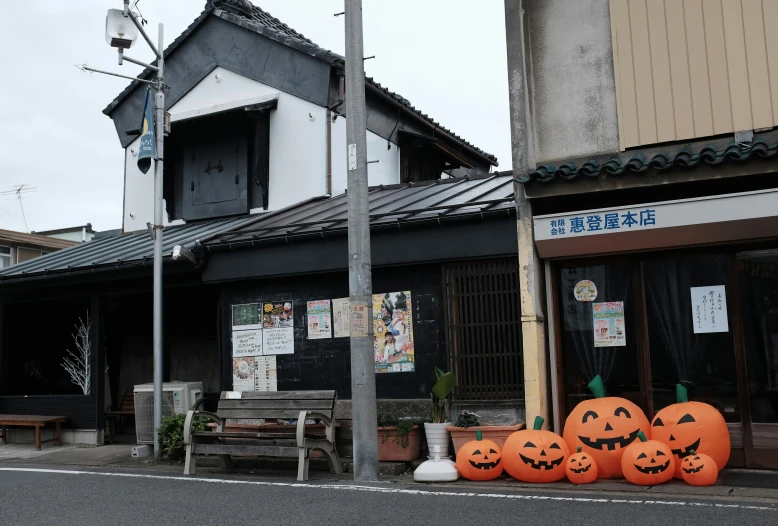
(18, 191)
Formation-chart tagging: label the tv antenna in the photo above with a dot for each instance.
(18, 192)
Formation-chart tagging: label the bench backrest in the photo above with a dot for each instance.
(275, 404)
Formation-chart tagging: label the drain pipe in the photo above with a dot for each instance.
(330, 119)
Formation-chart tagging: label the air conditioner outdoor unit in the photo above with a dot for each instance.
(177, 397)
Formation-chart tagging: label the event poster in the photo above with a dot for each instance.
(340, 317)
(709, 309)
(243, 373)
(609, 324)
(246, 343)
(393, 332)
(319, 320)
(247, 316)
(265, 377)
(277, 314)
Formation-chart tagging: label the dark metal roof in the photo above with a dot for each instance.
(683, 158)
(393, 207)
(134, 249)
(244, 14)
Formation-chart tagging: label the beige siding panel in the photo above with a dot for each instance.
(717, 66)
(660, 66)
(644, 85)
(759, 80)
(623, 41)
(698, 67)
(737, 66)
(770, 8)
(679, 70)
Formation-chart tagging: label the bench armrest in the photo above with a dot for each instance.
(191, 415)
(327, 421)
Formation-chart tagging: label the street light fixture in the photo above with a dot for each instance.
(121, 31)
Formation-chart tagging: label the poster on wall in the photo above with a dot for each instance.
(609, 330)
(265, 377)
(709, 309)
(246, 316)
(393, 332)
(319, 324)
(243, 373)
(340, 317)
(277, 340)
(277, 314)
(246, 343)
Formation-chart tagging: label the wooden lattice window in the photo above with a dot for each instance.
(483, 329)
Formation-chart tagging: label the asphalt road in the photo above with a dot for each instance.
(65, 498)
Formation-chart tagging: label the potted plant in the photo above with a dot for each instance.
(398, 440)
(468, 424)
(436, 432)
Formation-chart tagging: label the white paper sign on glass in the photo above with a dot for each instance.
(709, 309)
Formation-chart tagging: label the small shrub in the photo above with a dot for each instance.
(403, 427)
(467, 419)
(171, 435)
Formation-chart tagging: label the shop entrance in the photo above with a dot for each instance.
(644, 323)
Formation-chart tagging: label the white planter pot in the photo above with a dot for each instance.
(437, 435)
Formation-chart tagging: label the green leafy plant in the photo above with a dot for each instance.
(467, 419)
(171, 435)
(444, 386)
(402, 427)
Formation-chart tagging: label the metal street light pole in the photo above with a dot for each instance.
(363, 394)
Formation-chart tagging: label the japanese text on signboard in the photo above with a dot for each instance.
(597, 222)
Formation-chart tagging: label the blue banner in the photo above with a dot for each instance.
(148, 139)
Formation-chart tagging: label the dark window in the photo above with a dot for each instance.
(425, 158)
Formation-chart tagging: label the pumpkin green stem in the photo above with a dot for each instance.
(597, 387)
(579, 449)
(538, 425)
(681, 394)
(692, 452)
(642, 436)
(478, 435)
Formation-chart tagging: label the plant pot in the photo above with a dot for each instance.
(392, 447)
(497, 434)
(437, 435)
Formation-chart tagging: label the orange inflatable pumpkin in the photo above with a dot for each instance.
(581, 468)
(699, 469)
(535, 455)
(647, 462)
(479, 459)
(692, 426)
(603, 427)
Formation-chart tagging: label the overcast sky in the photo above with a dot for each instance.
(446, 56)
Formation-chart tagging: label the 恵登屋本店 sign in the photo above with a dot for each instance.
(393, 332)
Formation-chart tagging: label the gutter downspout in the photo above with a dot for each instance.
(330, 110)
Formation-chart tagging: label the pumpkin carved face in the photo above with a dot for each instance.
(603, 427)
(535, 455)
(480, 459)
(692, 426)
(581, 468)
(647, 462)
(699, 469)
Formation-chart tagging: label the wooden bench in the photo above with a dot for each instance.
(35, 421)
(279, 443)
(126, 408)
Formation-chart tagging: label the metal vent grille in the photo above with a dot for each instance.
(144, 414)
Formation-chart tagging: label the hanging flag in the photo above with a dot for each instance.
(148, 140)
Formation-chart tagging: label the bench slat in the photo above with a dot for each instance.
(243, 413)
(261, 451)
(241, 434)
(299, 405)
(282, 395)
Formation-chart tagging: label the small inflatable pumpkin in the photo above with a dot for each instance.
(603, 427)
(479, 459)
(647, 462)
(699, 469)
(692, 426)
(581, 468)
(535, 455)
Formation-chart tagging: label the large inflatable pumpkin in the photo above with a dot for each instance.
(535, 455)
(479, 459)
(692, 426)
(647, 462)
(581, 468)
(603, 427)
(699, 470)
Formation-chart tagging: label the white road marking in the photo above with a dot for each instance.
(377, 489)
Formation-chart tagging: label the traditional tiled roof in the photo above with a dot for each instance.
(243, 13)
(683, 158)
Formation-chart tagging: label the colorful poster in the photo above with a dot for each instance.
(265, 377)
(340, 317)
(393, 332)
(243, 373)
(277, 314)
(319, 324)
(246, 343)
(246, 316)
(277, 340)
(585, 290)
(609, 328)
(709, 309)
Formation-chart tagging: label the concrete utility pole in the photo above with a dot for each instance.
(360, 281)
(533, 328)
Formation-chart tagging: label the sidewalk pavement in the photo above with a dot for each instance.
(740, 483)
